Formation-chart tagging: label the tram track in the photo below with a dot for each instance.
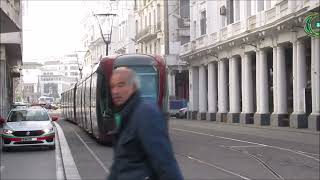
(302, 153)
(254, 157)
(212, 165)
(243, 149)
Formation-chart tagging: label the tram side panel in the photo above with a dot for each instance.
(87, 104)
(94, 105)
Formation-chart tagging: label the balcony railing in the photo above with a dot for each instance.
(270, 15)
(280, 10)
(148, 32)
(202, 41)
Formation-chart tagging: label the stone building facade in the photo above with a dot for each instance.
(252, 62)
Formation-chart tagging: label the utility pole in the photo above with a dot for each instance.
(105, 37)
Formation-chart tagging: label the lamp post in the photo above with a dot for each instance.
(105, 37)
(80, 66)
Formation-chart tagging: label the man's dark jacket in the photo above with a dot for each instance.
(142, 149)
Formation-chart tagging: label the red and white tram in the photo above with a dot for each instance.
(88, 103)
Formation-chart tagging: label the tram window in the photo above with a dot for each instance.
(104, 99)
(148, 82)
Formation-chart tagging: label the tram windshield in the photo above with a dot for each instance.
(148, 82)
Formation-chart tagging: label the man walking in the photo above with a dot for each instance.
(142, 149)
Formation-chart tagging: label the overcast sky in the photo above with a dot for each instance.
(52, 28)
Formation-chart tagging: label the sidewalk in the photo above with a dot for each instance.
(69, 167)
(288, 129)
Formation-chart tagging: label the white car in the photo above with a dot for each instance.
(28, 127)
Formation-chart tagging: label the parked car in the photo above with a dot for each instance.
(31, 126)
(182, 113)
(20, 105)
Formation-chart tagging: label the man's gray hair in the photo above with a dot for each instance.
(132, 76)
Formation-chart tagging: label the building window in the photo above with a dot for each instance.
(260, 4)
(194, 29)
(137, 26)
(158, 13)
(230, 11)
(203, 23)
(145, 21)
(154, 17)
(149, 19)
(236, 7)
(159, 46)
(150, 49)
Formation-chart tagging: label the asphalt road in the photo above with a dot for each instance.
(28, 163)
(207, 150)
(31, 162)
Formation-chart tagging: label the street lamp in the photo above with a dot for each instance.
(80, 67)
(105, 37)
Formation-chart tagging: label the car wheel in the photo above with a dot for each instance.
(52, 147)
(6, 149)
(185, 115)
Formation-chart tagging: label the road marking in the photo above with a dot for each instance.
(1, 168)
(217, 167)
(70, 168)
(241, 146)
(92, 153)
(263, 145)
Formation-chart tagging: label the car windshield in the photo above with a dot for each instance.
(28, 115)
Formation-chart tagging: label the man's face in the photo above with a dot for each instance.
(120, 89)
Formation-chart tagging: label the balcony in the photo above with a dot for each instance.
(150, 32)
(270, 15)
(262, 20)
(202, 41)
(11, 17)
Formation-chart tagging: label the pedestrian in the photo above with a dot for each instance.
(142, 149)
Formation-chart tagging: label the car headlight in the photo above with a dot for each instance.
(7, 131)
(47, 130)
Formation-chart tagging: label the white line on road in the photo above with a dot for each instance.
(264, 145)
(1, 169)
(242, 146)
(217, 167)
(70, 168)
(92, 153)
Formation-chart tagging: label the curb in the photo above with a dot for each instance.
(287, 129)
(69, 166)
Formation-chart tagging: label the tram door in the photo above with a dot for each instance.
(104, 103)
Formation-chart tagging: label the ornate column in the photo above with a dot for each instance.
(298, 118)
(212, 91)
(280, 117)
(247, 98)
(202, 93)
(194, 92)
(173, 83)
(314, 118)
(262, 116)
(170, 83)
(222, 92)
(234, 91)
